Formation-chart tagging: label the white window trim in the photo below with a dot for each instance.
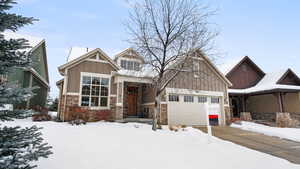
(108, 96)
(191, 96)
(128, 59)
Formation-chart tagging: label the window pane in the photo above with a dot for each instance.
(95, 101)
(130, 65)
(86, 80)
(136, 66)
(85, 90)
(104, 81)
(188, 98)
(202, 99)
(174, 98)
(103, 102)
(104, 91)
(85, 101)
(96, 81)
(123, 64)
(215, 100)
(95, 90)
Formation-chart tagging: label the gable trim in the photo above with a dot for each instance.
(216, 70)
(126, 50)
(242, 61)
(285, 74)
(85, 56)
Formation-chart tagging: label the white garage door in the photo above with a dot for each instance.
(191, 110)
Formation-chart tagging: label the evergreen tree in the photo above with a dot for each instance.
(19, 147)
(54, 105)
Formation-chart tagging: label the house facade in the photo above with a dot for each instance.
(262, 94)
(35, 76)
(121, 88)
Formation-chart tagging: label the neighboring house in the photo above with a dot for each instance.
(121, 89)
(262, 94)
(37, 75)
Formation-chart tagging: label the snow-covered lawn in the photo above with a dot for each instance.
(104, 145)
(287, 133)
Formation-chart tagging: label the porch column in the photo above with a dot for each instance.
(243, 103)
(280, 102)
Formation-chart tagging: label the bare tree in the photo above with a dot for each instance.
(166, 33)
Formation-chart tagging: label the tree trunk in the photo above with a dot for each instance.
(156, 112)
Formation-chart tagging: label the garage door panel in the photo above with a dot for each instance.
(181, 113)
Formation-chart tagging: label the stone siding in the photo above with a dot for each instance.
(92, 115)
(271, 117)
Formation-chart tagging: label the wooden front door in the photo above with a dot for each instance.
(132, 101)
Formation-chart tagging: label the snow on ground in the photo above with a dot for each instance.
(135, 146)
(286, 133)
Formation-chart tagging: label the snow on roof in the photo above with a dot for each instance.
(33, 41)
(76, 52)
(271, 78)
(269, 82)
(144, 72)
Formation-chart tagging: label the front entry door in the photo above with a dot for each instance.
(132, 101)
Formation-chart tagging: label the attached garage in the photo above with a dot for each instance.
(190, 107)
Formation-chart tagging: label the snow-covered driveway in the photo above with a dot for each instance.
(286, 133)
(135, 146)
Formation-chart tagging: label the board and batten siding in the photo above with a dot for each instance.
(86, 66)
(207, 80)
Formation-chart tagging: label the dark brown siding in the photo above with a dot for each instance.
(86, 66)
(244, 76)
(290, 79)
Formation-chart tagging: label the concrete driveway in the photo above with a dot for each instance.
(286, 149)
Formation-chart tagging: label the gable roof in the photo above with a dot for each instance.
(289, 71)
(87, 55)
(216, 69)
(126, 51)
(233, 64)
(76, 52)
(208, 61)
(34, 43)
(269, 82)
(246, 59)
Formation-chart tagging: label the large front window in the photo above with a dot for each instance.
(94, 91)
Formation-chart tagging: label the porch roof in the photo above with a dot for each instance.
(265, 89)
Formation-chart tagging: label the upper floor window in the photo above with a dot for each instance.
(94, 91)
(130, 65)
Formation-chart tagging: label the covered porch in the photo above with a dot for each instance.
(134, 99)
(265, 104)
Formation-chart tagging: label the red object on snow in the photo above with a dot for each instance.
(213, 116)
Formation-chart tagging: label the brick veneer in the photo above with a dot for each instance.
(93, 115)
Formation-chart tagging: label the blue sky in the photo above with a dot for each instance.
(268, 31)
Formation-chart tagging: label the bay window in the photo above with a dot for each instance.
(94, 90)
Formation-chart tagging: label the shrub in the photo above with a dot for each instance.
(41, 117)
(77, 122)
